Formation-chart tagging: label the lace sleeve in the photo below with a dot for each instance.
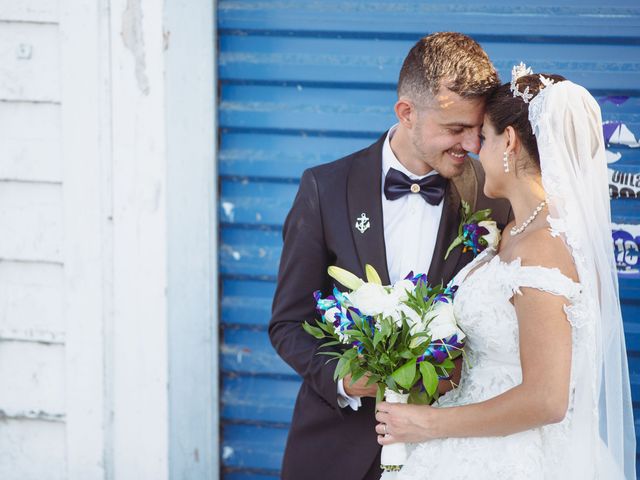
(550, 280)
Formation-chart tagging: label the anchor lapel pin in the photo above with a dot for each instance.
(362, 223)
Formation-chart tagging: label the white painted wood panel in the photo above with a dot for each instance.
(29, 10)
(86, 146)
(31, 301)
(29, 62)
(30, 221)
(32, 450)
(30, 139)
(31, 378)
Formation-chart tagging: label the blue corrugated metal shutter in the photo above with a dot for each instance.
(305, 82)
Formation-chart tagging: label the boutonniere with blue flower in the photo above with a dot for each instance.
(476, 232)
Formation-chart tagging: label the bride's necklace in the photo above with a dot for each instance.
(515, 231)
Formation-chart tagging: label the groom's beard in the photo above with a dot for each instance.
(447, 163)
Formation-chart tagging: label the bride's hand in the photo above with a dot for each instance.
(405, 423)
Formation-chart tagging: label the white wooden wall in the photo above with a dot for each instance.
(107, 240)
(32, 326)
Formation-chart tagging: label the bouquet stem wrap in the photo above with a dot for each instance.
(394, 456)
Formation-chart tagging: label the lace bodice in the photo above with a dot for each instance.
(485, 313)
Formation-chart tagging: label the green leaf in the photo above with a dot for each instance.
(447, 363)
(331, 354)
(391, 383)
(418, 397)
(407, 354)
(350, 354)
(340, 367)
(315, 331)
(357, 374)
(466, 209)
(380, 393)
(453, 245)
(327, 328)
(429, 377)
(371, 380)
(479, 216)
(386, 328)
(403, 376)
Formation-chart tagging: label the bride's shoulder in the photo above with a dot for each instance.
(540, 248)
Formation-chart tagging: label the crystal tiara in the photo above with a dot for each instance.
(520, 71)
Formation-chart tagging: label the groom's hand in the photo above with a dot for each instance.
(359, 388)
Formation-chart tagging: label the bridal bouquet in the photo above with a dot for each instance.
(403, 336)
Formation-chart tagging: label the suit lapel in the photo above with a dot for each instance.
(447, 232)
(465, 186)
(364, 187)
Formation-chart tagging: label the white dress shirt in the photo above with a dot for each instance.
(410, 230)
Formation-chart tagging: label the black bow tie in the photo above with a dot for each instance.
(397, 184)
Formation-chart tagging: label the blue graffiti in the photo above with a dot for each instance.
(626, 251)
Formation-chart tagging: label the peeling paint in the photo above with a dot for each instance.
(239, 352)
(133, 39)
(166, 36)
(227, 452)
(230, 251)
(228, 208)
(32, 415)
(32, 335)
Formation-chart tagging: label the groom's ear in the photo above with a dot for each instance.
(405, 111)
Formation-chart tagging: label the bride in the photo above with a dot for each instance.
(545, 389)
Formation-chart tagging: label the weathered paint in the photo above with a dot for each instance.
(33, 79)
(30, 139)
(32, 449)
(107, 284)
(32, 327)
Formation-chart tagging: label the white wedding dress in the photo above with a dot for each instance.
(596, 439)
(484, 312)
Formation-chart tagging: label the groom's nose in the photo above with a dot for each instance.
(471, 140)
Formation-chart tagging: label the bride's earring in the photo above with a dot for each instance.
(505, 162)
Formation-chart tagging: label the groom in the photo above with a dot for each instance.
(394, 205)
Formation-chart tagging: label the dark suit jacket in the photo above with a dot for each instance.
(326, 441)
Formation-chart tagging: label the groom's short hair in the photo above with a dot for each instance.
(448, 59)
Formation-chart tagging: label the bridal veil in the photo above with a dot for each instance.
(566, 121)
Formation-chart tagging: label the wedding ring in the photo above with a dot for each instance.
(385, 429)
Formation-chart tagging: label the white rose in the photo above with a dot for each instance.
(443, 323)
(402, 288)
(372, 299)
(412, 317)
(493, 237)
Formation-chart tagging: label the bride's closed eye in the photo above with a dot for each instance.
(481, 137)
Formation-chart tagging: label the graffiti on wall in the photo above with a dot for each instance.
(624, 184)
(626, 245)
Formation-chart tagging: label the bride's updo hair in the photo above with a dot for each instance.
(503, 109)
